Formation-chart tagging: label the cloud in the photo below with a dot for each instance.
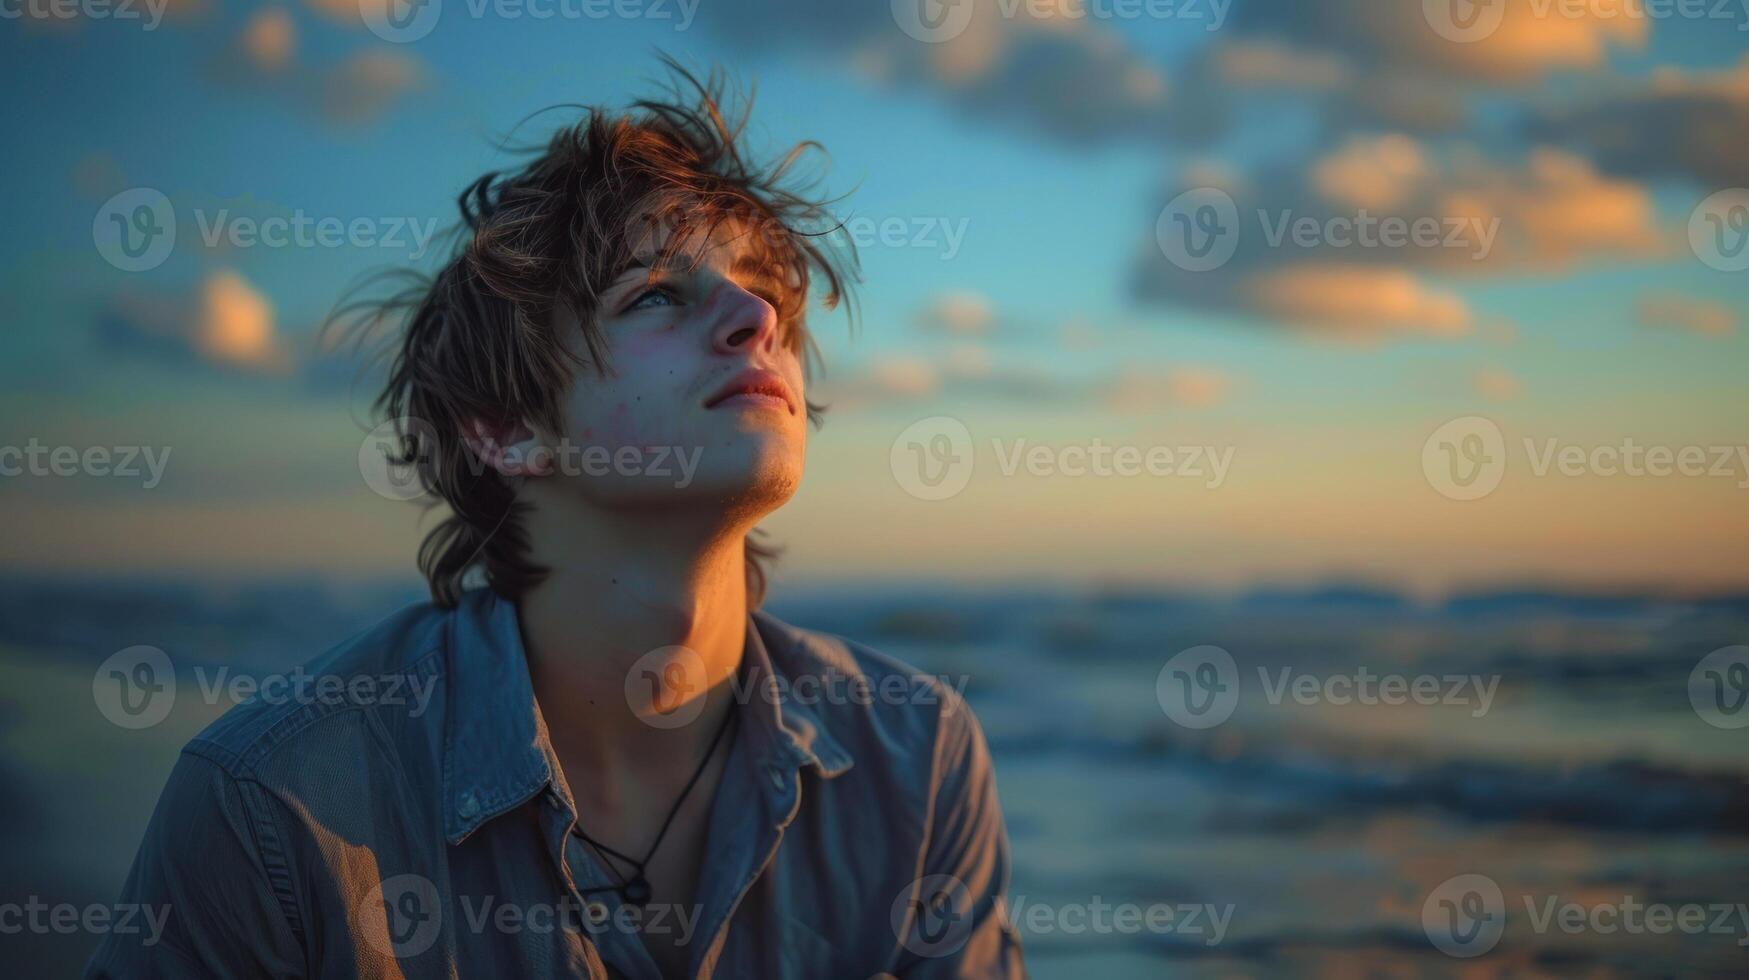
(1342, 245)
(1378, 174)
(962, 312)
(363, 86)
(1356, 302)
(1064, 78)
(1186, 387)
(227, 324)
(236, 324)
(962, 372)
(358, 89)
(269, 40)
(1674, 123)
(1671, 311)
(1495, 384)
(1532, 38)
(968, 373)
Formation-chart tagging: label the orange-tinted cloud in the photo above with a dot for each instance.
(1357, 302)
(1677, 312)
(227, 324)
(1496, 384)
(269, 40)
(961, 312)
(1675, 123)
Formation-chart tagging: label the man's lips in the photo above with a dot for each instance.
(757, 383)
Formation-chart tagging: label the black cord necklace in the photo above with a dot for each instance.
(636, 891)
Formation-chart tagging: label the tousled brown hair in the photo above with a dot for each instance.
(476, 340)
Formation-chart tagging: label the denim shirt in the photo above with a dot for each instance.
(855, 830)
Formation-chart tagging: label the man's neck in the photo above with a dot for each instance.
(620, 586)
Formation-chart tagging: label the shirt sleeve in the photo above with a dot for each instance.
(960, 925)
(203, 883)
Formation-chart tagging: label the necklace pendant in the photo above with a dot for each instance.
(637, 891)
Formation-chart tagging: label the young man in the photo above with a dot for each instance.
(622, 768)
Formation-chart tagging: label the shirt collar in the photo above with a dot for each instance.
(496, 750)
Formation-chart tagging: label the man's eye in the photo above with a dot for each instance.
(653, 297)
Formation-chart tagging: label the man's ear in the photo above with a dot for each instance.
(510, 448)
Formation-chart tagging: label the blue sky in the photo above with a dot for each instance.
(1051, 146)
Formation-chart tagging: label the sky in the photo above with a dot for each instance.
(1429, 295)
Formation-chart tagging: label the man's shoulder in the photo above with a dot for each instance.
(393, 664)
(865, 695)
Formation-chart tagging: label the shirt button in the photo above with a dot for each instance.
(469, 806)
(595, 912)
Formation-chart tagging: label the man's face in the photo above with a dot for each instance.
(702, 399)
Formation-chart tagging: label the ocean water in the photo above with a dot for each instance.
(1552, 804)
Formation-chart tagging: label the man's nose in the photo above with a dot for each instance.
(740, 321)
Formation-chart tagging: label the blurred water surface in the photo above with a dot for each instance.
(1307, 835)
